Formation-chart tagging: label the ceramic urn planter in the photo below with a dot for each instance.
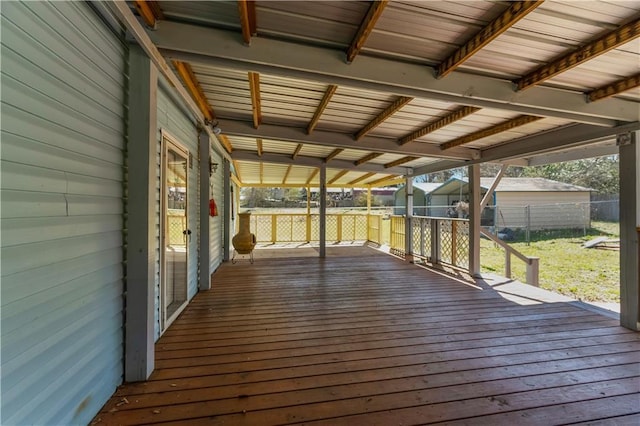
(244, 241)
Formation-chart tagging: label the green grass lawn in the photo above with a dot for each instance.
(565, 267)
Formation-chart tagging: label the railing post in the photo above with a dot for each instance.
(274, 228)
(454, 242)
(308, 227)
(533, 268)
(339, 227)
(507, 263)
(422, 232)
(435, 241)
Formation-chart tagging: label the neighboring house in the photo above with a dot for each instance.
(536, 203)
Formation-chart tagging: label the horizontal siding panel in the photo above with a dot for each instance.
(77, 69)
(21, 177)
(71, 354)
(39, 279)
(43, 308)
(27, 256)
(17, 204)
(22, 230)
(19, 124)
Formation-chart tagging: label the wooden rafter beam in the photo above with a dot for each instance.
(493, 130)
(361, 178)
(236, 167)
(338, 176)
(333, 154)
(367, 158)
(614, 88)
(149, 11)
(516, 11)
(399, 161)
(254, 87)
(224, 140)
(384, 179)
(190, 80)
(609, 41)
(321, 107)
(286, 174)
(365, 29)
(259, 147)
(247, 12)
(438, 124)
(380, 118)
(313, 175)
(297, 151)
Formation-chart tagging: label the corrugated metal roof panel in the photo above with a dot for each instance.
(329, 23)
(217, 13)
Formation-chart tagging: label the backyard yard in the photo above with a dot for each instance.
(589, 274)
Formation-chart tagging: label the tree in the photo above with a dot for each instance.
(601, 174)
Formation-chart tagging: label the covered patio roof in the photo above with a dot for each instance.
(378, 90)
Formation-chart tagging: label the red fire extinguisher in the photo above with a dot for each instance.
(213, 209)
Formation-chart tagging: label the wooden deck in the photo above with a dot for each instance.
(362, 338)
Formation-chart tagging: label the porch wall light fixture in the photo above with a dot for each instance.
(213, 167)
(214, 126)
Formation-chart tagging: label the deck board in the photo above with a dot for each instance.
(368, 339)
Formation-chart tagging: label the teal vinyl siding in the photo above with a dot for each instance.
(63, 109)
(179, 126)
(216, 228)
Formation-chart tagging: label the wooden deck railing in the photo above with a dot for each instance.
(532, 263)
(436, 239)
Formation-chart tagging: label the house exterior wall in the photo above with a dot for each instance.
(63, 138)
(548, 210)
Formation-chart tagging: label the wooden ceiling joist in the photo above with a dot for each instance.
(149, 11)
(331, 89)
(286, 174)
(399, 161)
(247, 12)
(297, 151)
(614, 88)
(366, 26)
(333, 154)
(259, 146)
(361, 178)
(493, 130)
(236, 167)
(337, 176)
(367, 158)
(190, 80)
(516, 11)
(224, 140)
(387, 178)
(313, 175)
(254, 87)
(440, 123)
(388, 112)
(609, 41)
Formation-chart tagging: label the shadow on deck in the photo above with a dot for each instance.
(362, 338)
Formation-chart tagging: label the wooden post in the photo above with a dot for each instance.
(141, 218)
(507, 263)
(204, 275)
(533, 269)
(454, 242)
(227, 224)
(629, 145)
(308, 214)
(323, 211)
(274, 228)
(408, 241)
(435, 241)
(475, 213)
